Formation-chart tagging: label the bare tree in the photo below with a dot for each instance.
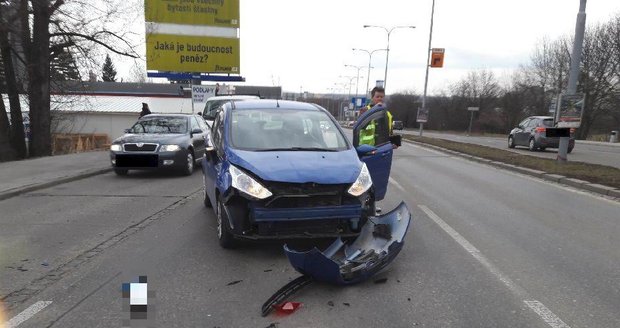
(46, 28)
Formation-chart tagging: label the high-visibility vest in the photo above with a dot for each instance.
(367, 135)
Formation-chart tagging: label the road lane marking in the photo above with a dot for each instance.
(397, 185)
(27, 313)
(539, 308)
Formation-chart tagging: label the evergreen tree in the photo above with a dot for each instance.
(109, 72)
(63, 67)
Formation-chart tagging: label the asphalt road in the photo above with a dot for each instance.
(487, 248)
(587, 152)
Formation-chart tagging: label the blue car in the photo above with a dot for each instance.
(284, 170)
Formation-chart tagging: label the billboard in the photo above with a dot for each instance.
(199, 36)
(224, 13)
(182, 53)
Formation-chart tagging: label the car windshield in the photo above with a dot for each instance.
(285, 129)
(160, 125)
(211, 107)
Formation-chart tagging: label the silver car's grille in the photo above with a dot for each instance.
(140, 147)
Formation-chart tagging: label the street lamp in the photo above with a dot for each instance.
(369, 61)
(387, 55)
(358, 77)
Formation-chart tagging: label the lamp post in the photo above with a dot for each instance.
(369, 61)
(387, 48)
(357, 82)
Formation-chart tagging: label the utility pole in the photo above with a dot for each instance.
(428, 59)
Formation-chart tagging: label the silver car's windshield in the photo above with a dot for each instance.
(285, 129)
(211, 108)
(160, 125)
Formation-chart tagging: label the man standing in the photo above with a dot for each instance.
(376, 98)
(145, 109)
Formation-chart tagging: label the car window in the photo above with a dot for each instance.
(548, 122)
(524, 122)
(211, 108)
(533, 123)
(375, 132)
(195, 124)
(160, 125)
(263, 129)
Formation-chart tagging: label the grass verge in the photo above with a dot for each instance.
(593, 173)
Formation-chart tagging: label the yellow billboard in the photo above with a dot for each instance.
(181, 53)
(223, 13)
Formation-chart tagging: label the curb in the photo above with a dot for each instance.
(21, 190)
(575, 183)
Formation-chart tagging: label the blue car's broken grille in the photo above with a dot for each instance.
(294, 195)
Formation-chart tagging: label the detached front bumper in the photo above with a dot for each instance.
(379, 242)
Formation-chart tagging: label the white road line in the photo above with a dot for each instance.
(397, 185)
(543, 312)
(27, 313)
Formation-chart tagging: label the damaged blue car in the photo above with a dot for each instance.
(285, 170)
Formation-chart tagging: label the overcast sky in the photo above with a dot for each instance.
(304, 45)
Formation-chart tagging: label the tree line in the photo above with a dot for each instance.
(531, 89)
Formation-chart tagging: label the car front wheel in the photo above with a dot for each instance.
(532, 145)
(188, 168)
(511, 142)
(224, 236)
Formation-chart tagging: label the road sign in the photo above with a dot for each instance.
(571, 110)
(437, 57)
(422, 116)
(473, 109)
(200, 93)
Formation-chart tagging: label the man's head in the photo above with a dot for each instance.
(377, 94)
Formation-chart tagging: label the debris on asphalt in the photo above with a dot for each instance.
(409, 299)
(288, 307)
(45, 263)
(268, 270)
(273, 325)
(233, 282)
(380, 281)
(22, 269)
(330, 303)
(347, 304)
(397, 280)
(287, 290)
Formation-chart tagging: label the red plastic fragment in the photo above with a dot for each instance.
(287, 307)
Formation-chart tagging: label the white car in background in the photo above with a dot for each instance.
(213, 103)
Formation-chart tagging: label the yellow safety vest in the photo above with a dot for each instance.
(367, 135)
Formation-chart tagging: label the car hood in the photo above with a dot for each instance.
(151, 138)
(300, 166)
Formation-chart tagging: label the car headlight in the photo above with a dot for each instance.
(169, 148)
(116, 147)
(363, 182)
(246, 184)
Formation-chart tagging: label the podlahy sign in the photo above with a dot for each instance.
(192, 36)
(200, 93)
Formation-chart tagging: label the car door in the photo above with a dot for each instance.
(198, 139)
(377, 156)
(212, 164)
(520, 135)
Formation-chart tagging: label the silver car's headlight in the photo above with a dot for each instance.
(169, 148)
(116, 147)
(246, 184)
(363, 182)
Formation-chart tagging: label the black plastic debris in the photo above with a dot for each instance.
(347, 304)
(381, 281)
(233, 282)
(330, 303)
(268, 270)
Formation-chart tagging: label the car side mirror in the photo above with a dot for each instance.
(364, 150)
(520, 126)
(396, 139)
(209, 153)
(196, 131)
